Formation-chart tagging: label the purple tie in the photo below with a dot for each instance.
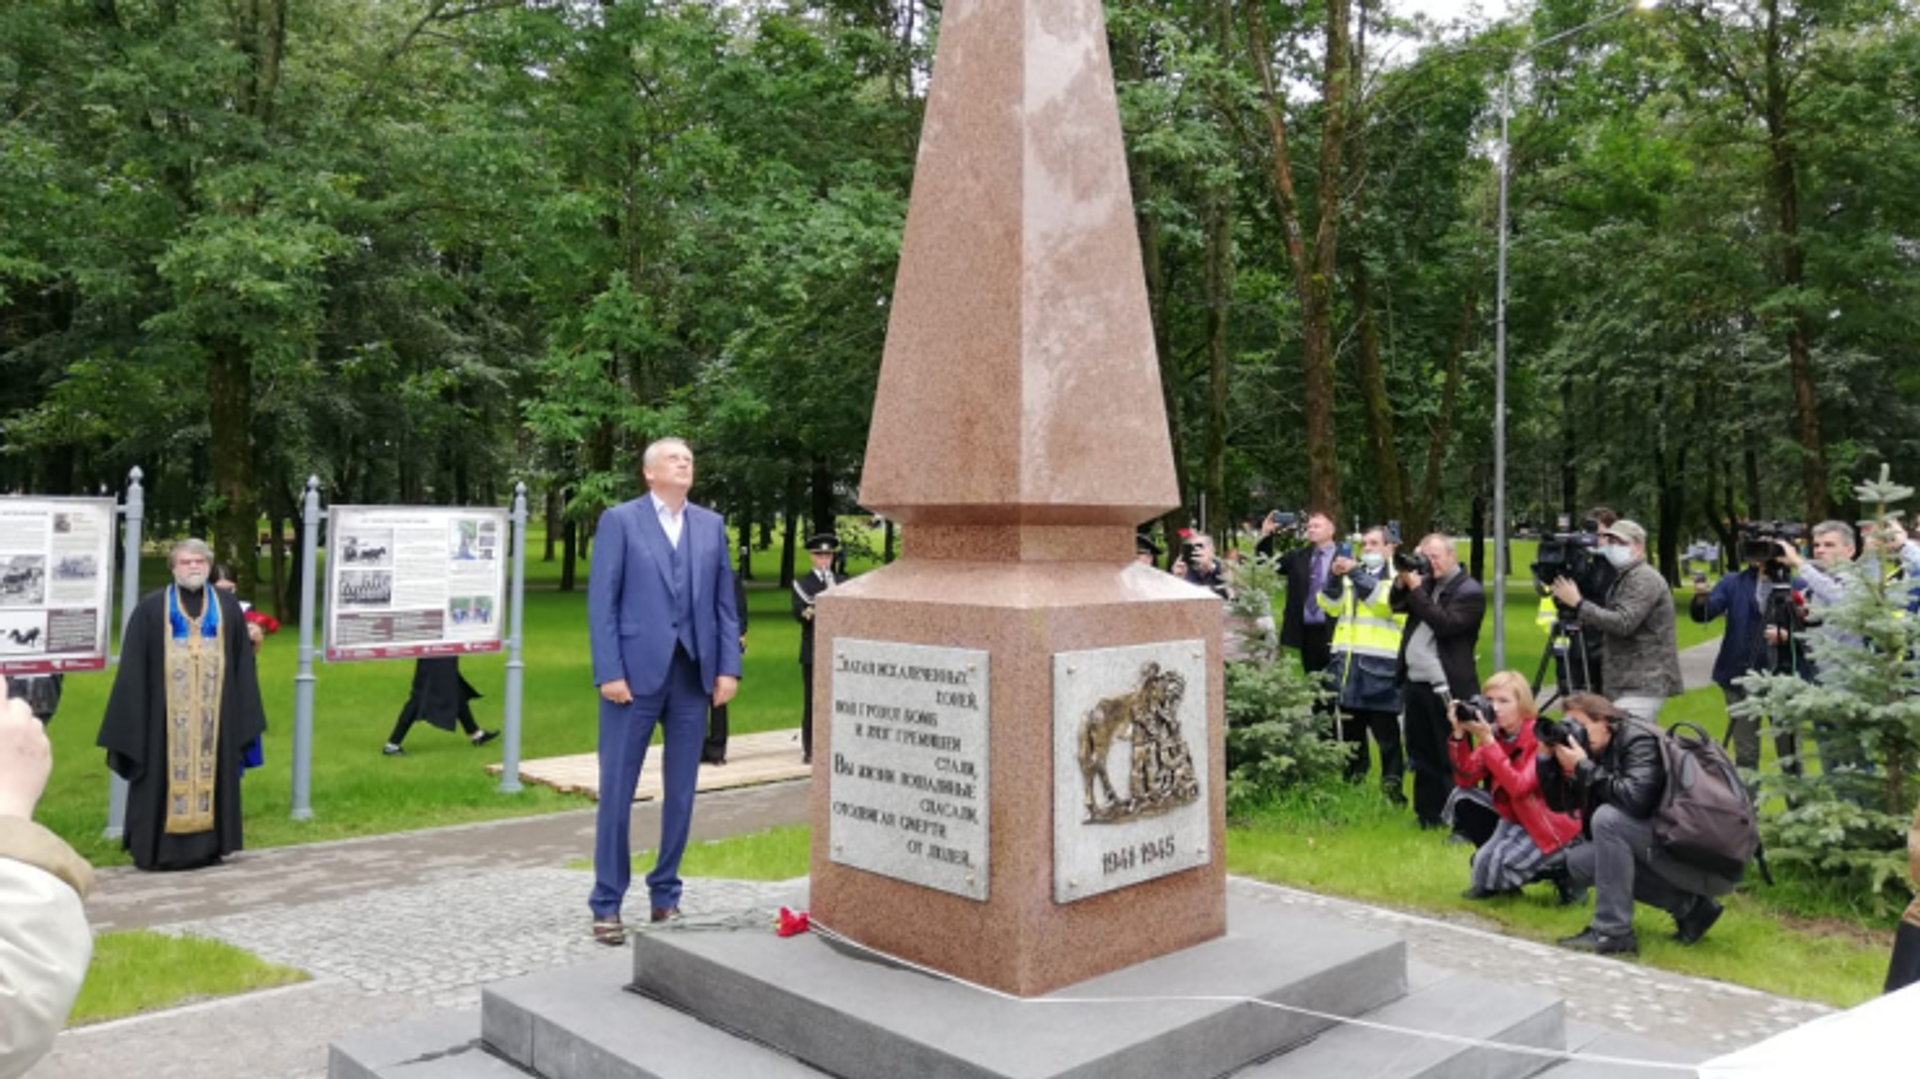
(1316, 580)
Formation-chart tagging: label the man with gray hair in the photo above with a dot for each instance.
(1636, 618)
(1443, 608)
(184, 719)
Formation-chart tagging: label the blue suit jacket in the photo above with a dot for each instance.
(630, 602)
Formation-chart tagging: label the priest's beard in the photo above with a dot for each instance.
(192, 581)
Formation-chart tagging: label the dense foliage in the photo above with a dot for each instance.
(426, 248)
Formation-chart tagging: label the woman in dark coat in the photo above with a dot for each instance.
(441, 697)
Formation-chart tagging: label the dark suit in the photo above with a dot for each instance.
(805, 588)
(1314, 641)
(662, 617)
(1453, 610)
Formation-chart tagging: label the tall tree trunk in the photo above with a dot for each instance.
(230, 452)
(1385, 481)
(570, 555)
(1219, 284)
(553, 520)
(1426, 500)
(820, 483)
(1312, 261)
(1783, 177)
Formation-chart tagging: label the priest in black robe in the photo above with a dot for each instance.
(185, 719)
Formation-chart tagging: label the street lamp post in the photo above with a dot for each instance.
(1500, 332)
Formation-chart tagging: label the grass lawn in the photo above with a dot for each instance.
(139, 971)
(1349, 842)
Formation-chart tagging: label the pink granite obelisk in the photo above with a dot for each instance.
(1019, 436)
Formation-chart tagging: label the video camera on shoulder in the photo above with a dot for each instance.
(1760, 542)
(1570, 555)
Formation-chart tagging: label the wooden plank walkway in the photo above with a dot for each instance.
(752, 759)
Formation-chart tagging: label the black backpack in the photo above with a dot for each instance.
(1704, 817)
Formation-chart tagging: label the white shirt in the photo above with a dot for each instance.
(670, 522)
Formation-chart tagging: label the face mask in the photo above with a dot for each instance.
(1617, 554)
(1373, 560)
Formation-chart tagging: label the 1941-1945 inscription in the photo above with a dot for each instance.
(908, 774)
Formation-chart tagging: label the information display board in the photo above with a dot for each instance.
(56, 584)
(405, 581)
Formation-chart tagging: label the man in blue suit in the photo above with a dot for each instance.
(665, 631)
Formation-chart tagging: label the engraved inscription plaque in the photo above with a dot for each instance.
(908, 778)
(1130, 766)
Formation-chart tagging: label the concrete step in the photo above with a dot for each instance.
(446, 1046)
(581, 1022)
(856, 1016)
(1461, 1006)
(1620, 1048)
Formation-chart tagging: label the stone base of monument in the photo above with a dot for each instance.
(749, 1004)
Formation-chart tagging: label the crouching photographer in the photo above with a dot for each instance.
(1611, 770)
(1493, 742)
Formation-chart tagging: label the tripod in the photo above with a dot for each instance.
(1567, 644)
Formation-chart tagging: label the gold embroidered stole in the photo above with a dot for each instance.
(195, 669)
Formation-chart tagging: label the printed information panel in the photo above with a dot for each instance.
(908, 782)
(407, 581)
(56, 584)
(1130, 766)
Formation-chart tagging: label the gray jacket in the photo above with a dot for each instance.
(1643, 655)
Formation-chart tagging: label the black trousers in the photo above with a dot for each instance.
(1427, 730)
(407, 719)
(1385, 728)
(806, 709)
(1316, 646)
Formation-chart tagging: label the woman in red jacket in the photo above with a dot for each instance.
(1526, 843)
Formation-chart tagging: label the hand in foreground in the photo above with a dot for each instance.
(616, 692)
(26, 758)
(724, 687)
(1341, 566)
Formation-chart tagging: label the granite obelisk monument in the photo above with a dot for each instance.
(1019, 756)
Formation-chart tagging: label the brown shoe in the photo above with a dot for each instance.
(607, 930)
(666, 914)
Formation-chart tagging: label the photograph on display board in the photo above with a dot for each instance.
(76, 567)
(365, 588)
(23, 632)
(367, 549)
(23, 580)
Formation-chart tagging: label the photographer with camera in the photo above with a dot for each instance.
(1636, 620)
(1198, 565)
(1304, 626)
(1604, 765)
(1763, 623)
(1493, 741)
(1366, 643)
(1443, 607)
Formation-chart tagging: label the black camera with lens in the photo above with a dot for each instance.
(1570, 555)
(1760, 542)
(1560, 732)
(1412, 562)
(1474, 707)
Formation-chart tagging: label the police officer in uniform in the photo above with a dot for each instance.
(822, 549)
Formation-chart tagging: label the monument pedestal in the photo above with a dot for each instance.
(1026, 902)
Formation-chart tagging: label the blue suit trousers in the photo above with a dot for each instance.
(680, 709)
